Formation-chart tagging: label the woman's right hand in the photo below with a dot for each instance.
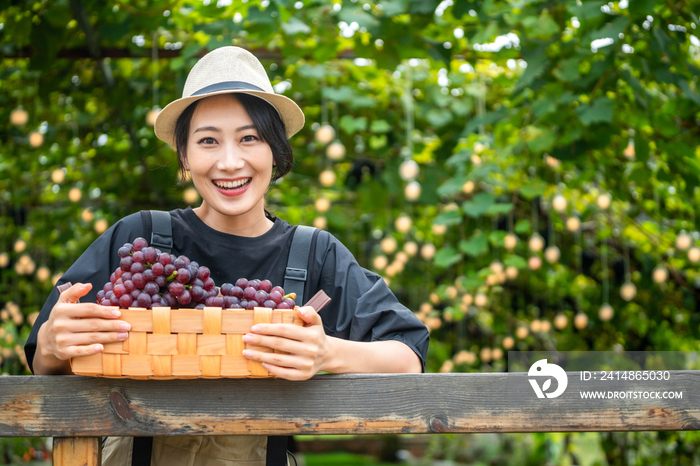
(75, 329)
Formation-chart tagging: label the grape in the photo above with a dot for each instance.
(255, 284)
(108, 287)
(251, 305)
(199, 306)
(144, 299)
(129, 246)
(149, 275)
(179, 263)
(249, 293)
(114, 300)
(237, 292)
(195, 263)
(231, 302)
(183, 275)
(139, 257)
(269, 303)
(164, 302)
(278, 289)
(260, 297)
(105, 302)
(129, 285)
(118, 273)
(127, 276)
(169, 269)
(161, 281)
(151, 288)
(109, 294)
(289, 301)
(276, 296)
(165, 259)
(124, 251)
(243, 304)
(196, 282)
(113, 278)
(158, 268)
(119, 291)
(125, 263)
(139, 244)
(176, 289)
(283, 305)
(198, 294)
(150, 255)
(100, 295)
(242, 283)
(218, 302)
(266, 286)
(138, 280)
(203, 273)
(137, 267)
(135, 294)
(184, 298)
(209, 284)
(213, 292)
(193, 270)
(169, 299)
(226, 289)
(209, 302)
(125, 301)
(186, 259)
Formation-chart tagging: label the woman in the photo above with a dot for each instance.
(231, 134)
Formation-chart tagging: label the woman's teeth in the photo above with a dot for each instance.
(232, 184)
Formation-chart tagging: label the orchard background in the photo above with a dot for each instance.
(524, 174)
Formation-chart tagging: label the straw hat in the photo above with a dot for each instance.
(227, 70)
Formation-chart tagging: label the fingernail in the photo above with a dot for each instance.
(247, 353)
(255, 328)
(247, 338)
(97, 347)
(302, 311)
(125, 326)
(122, 336)
(116, 313)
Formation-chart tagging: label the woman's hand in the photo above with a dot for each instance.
(308, 346)
(75, 329)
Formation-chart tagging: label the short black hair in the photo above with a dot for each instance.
(267, 121)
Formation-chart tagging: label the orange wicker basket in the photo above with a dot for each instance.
(169, 343)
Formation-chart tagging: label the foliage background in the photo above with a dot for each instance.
(503, 105)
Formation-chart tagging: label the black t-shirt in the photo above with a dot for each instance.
(362, 307)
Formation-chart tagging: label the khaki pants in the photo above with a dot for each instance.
(199, 450)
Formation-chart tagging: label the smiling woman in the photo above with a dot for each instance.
(231, 134)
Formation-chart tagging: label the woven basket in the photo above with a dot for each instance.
(169, 343)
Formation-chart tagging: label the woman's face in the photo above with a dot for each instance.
(230, 165)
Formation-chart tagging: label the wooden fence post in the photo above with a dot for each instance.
(77, 451)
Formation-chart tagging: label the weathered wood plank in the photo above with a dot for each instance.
(77, 451)
(333, 404)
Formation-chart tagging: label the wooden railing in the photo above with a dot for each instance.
(77, 411)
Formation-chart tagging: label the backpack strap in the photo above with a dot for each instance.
(296, 273)
(162, 231)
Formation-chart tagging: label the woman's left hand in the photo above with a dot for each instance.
(308, 346)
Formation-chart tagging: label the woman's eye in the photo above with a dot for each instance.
(207, 141)
(249, 138)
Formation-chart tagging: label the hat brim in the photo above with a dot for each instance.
(289, 111)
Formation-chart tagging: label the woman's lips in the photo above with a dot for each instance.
(233, 191)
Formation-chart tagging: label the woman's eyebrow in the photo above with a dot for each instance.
(214, 128)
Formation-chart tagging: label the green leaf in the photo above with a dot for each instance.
(452, 186)
(380, 126)
(447, 256)
(341, 94)
(439, 117)
(641, 8)
(451, 217)
(479, 204)
(500, 209)
(516, 261)
(600, 110)
(475, 246)
(295, 26)
(312, 71)
(349, 124)
(537, 62)
(641, 148)
(377, 142)
(522, 226)
(534, 189)
(496, 237)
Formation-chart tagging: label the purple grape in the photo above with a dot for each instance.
(126, 276)
(108, 287)
(158, 268)
(161, 281)
(150, 255)
(278, 289)
(144, 299)
(270, 303)
(231, 302)
(276, 296)
(186, 259)
(124, 251)
(139, 257)
(163, 302)
(199, 306)
(289, 301)
(260, 297)
(237, 292)
(100, 295)
(195, 263)
(105, 302)
(249, 293)
(125, 263)
(213, 293)
(139, 281)
(129, 285)
(129, 246)
(169, 269)
(198, 294)
(242, 283)
(255, 284)
(183, 275)
(109, 294)
(283, 305)
(135, 294)
(176, 289)
(125, 301)
(209, 302)
(114, 301)
(184, 298)
(266, 286)
(209, 284)
(193, 270)
(118, 273)
(139, 244)
(151, 288)
(165, 259)
(218, 301)
(203, 273)
(113, 278)
(149, 275)
(196, 282)
(119, 291)
(226, 289)
(251, 305)
(169, 299)
(137, 267)
(243, 304)
(180, 263)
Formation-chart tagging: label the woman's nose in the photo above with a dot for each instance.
(231, 158)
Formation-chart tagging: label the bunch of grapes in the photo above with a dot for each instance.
(147, 277)
(248, 294)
